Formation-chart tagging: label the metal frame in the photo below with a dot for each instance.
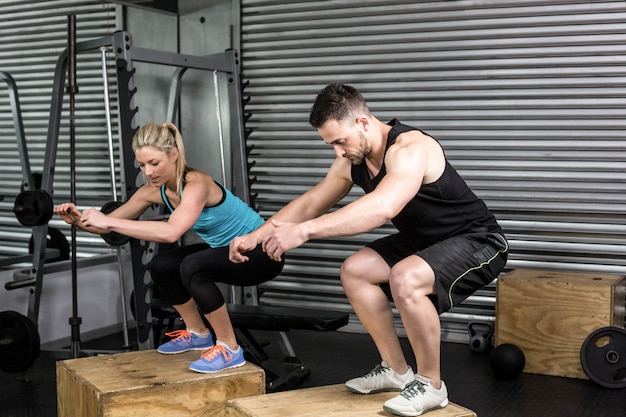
(16, 111)
(125, 55)
(28, 182)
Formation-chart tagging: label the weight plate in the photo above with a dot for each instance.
(33, 207)
(603, 357)
(55, 240)
(113, 238)
(19, 342)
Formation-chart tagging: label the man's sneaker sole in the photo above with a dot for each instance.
(414, 414)
(373, 391)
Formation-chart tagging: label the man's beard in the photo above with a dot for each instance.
(361, 153)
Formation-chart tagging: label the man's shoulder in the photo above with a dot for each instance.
(415, 139)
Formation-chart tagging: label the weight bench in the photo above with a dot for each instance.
(285, 318)
(280, 374)
(288, 372)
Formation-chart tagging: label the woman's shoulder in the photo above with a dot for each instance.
(198, 182)
(194, 175)
(149, 194)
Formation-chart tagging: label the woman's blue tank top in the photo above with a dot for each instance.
(219, 224)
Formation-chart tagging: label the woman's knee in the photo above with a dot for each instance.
(186, 268)
(164, 265)
(188, 273)
(157, 268)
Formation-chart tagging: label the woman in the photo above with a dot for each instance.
(186, 275)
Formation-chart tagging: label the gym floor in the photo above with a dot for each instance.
(334, 357)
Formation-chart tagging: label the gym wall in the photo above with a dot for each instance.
(527, 97)
(33, 36)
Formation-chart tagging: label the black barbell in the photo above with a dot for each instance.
(35, 208)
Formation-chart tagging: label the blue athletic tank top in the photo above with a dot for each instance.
(444, 208)
(219, 224)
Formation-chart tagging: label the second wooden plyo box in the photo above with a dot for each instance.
(549, 314)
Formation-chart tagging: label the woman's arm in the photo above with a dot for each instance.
(195, 196)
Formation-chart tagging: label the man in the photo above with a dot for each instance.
(448, 244)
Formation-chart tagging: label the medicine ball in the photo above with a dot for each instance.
(507, 361)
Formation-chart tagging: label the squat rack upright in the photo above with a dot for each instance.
(125, 55)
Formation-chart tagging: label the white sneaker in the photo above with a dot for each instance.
(381, 378)
(417, 398)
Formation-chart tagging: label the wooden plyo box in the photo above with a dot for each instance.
(147, 383)
(328, 401)
(549, 314)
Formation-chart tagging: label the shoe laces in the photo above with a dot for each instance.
(212, 352)
(176, 335)
(378, 370)
(413, 389)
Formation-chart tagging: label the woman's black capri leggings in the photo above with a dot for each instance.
(192, 271)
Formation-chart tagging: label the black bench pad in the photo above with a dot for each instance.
(285, 318)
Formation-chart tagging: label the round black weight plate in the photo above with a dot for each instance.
(603, 357)
(55, 240)
(33, 207)
(19, 342)
(113, 238)
(110, 206)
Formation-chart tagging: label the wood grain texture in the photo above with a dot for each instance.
(327, 401)
(134, 384)
(549, 314)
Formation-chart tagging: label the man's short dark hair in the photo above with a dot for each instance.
(336, 102)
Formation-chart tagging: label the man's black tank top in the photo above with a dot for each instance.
(442, 209)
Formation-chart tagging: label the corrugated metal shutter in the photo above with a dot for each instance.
(527, 97)
(33, 36)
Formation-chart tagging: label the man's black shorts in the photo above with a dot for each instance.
(462, 264)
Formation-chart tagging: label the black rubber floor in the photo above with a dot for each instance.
(337, 356)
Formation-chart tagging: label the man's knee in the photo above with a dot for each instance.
(349, 268)
(408, 281)
(356, 267)
(365, 266)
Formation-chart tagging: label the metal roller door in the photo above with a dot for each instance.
(33, 36)
(527, 97)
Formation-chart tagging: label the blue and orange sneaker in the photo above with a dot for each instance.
(218, 358)
(183, 341)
